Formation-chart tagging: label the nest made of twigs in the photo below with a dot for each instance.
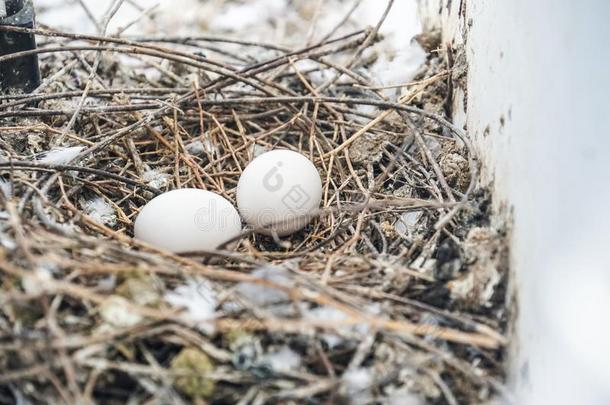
(402, 244)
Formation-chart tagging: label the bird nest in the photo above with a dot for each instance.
(394, 291)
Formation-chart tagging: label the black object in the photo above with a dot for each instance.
(20, 73)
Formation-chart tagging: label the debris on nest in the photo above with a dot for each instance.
(456, 170)
(485, 257)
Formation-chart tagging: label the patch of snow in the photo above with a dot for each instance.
(397, 67)
(71, 16)
(398, 57)
(401, 24)
(320, 76)
(283, 22)
(100, 211)
(236, 17)
(61, 156)
(199, 301)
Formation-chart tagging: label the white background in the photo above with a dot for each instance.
(544, 66)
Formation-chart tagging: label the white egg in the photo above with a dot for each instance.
(187, 220)
(279, 187)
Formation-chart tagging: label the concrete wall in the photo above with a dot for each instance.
(538, 108)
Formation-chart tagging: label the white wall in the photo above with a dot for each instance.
(543, 68)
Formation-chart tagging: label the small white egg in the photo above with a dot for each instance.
(187, 220)
(279, 187)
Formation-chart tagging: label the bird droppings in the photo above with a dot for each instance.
(37, 282)
(156, 179)
(116, 311)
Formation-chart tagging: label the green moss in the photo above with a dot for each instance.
(193, 365)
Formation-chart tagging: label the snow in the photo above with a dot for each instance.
(199, 302)
(397, 67)
(401, 24)
(61, 156)
(398, 57)
(100, 211)
(71, 16)
(254, 12)
(282, 22)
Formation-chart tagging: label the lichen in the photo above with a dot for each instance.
(193, 367)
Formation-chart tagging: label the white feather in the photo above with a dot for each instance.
(61, 156)
(199, 302)
(100, 211)
(283, 360)
(356, 384)
(262, 295)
